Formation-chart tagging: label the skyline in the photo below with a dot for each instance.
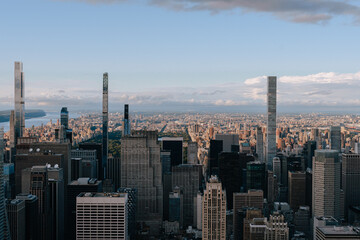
(205, 58)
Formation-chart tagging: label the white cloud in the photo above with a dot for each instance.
(311, 91)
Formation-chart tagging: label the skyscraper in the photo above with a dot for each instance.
(73, 190)
(350, 180)
(214, 211)
(64, 117)
(3, 223)
(271, 122)
(259, 144)
(251, 199)
(326, 183)
(31, 205)
(189, 178)
(16, 215)
(255, 176)
(126, 124)
(297, 189)
(19, 117)
(335, 138)
(175, 146)
(105, 139)
(141, 169)
(230, 175)
(39, 187)
(102, 216)
(276, 228)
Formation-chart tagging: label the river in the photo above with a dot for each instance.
(54, 116)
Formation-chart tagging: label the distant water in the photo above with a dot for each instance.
(38, 121)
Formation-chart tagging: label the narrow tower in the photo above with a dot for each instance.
(19, 116)
(126, 123)
(105, 123)
(271, 122)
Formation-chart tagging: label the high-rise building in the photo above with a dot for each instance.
(102, 216)
(126, 123)
(216, 147)
(228, 140)
(99, 156)
(32, 148)
(176, 204)
(302, 220)
(54, 192)
(34, 158)
(73, 190)
(4, 230)
(260, 144)
(31, 215)
(309, 152)
(335, 138)
(198, 210)
(214, 211)
(271, 121)
(175, 146)
(350, 178)
(64, 117)
(19, 117)
(188, 178)
(56, 188)
(12, 135)
(250, 215)
(105, 138)
(132, 199)
(192, 151)
(16, 217)
(113, 170)
(297, 189)
(87, 164)
(276, 228)
(272, 187)
(257, 228)
(39, 187)
(141, 169)
(230, 174)
(277, 167)
(326, 183)
(241, 201)
(255, 176)
(337, 232)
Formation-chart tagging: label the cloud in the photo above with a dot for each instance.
(314, 92)
(298, 11)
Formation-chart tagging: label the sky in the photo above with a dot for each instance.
(182, 55)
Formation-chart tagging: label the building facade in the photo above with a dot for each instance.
(326, 184)
(271, 121)
(214, 211)
(102, 216)
(141, 169)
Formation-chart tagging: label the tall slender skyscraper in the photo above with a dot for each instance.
(19, 117)
(126, 123)
(105, 122)
(271, 122)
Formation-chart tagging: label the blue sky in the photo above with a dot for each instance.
(183, 55)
